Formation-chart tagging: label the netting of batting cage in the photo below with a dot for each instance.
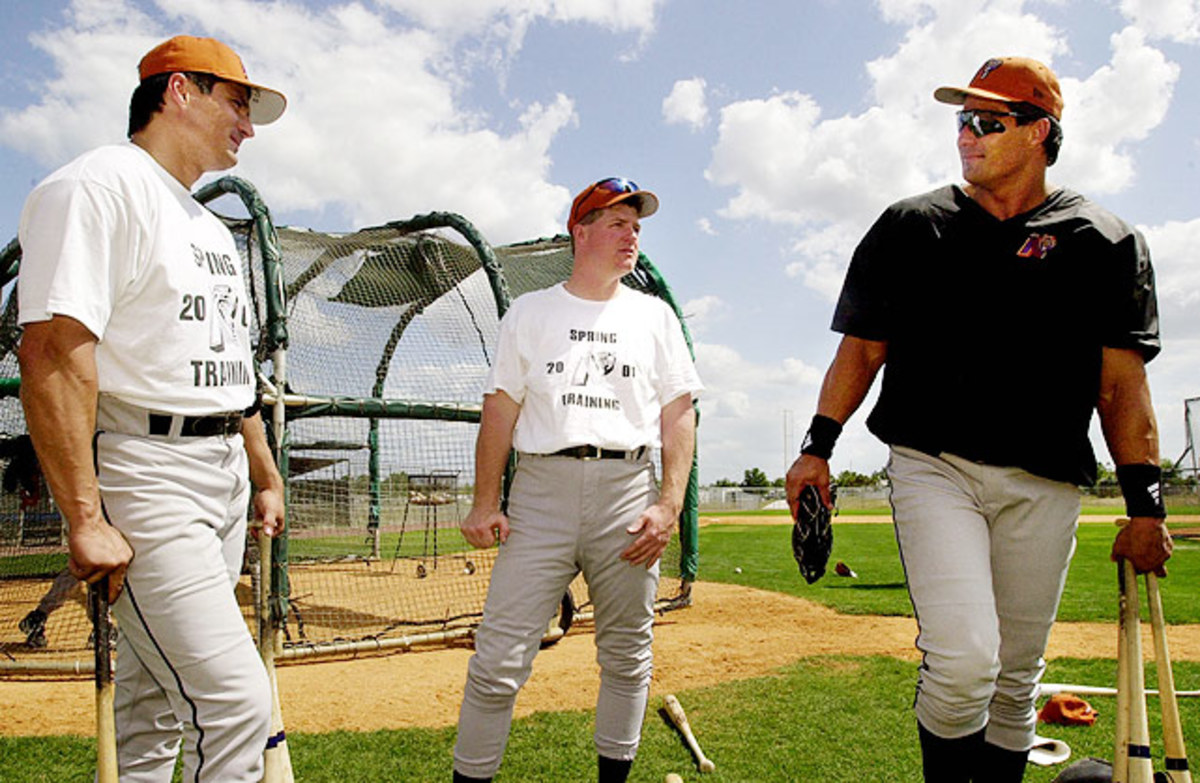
(372, 350)
(43, 609)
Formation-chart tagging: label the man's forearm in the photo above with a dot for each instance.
(264, 474)
(1126, 411)
(679, 444)
(58, 393)
(849, 377)
(492, 447)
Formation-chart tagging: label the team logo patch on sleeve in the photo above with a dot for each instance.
(1037, 246)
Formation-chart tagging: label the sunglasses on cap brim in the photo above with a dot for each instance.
(616, 185)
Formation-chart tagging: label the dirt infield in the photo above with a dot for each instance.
(730, 633)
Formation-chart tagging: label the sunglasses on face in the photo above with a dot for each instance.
(611, 185)
(982, 122)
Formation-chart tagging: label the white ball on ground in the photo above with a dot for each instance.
(737, 570)
(672, 778)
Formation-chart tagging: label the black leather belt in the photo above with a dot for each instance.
(595, 452)
(198, 426)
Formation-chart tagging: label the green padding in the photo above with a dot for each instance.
(689, 526)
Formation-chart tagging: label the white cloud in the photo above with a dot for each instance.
(1172, 374)
(1178, 20)
(822, 256)
(742, 409)
(374, 111)
(706, 227)
(829, 177)
(474, 16)
(1173, 251)
(792, 167)
(501, 25)
(686, 105)
(1096, 158)
(701, 313)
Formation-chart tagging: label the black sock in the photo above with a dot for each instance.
(461, 778)
(614, 770)
(949, 760)
(997, 765)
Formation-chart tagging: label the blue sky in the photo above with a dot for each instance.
(773, 131)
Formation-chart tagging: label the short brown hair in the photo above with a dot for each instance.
(147, 98)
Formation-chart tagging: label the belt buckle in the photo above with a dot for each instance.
(591, 453)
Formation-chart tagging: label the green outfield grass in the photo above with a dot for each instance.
(1091, 508)
(838, 719)
(764, 555)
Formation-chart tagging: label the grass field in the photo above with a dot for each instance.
(828, 719)
(833, 720)
(764, 554)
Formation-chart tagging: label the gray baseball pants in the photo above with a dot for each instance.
(187, 666)
(565, 516)
(985, 552)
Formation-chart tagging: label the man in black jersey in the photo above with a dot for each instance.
(1002, 312)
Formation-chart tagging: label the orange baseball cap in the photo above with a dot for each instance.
(187, 54)
(608, 192)
(1011, 80)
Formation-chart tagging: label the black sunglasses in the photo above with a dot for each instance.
(612, 185)
(982, 121)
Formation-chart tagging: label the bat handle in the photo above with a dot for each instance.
(106, 730)
(1140, 768)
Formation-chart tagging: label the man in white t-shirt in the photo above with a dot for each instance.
(138, 384)
(589, 377)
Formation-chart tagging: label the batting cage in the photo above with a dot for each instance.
(372, 349)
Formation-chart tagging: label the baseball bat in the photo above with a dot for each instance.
(1121, 734)
(1174, 751)
(106, 727)
(1140, 766)
(1051, 688)
(679, 718)
(277, 760)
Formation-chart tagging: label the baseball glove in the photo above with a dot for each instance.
(22, 469)
(812, 534)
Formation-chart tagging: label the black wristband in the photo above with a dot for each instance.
(821, 437)
(1142, 487)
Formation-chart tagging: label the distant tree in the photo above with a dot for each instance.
(725, 483)
(849, 478)
(779, 482)
(1173, 476)
(1105, 475)
(754, 477)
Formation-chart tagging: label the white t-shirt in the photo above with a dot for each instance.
(115, 242)
(590, 373)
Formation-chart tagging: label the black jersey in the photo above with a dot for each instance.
(995, 327)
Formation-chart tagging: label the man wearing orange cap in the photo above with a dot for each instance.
(1002, 312)
(139, 389)
(589, 377)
